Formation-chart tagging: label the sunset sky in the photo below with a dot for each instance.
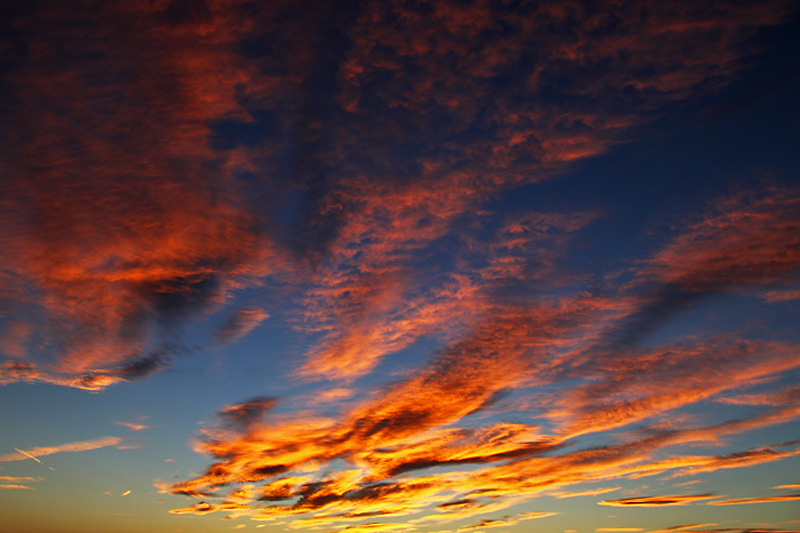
(444, 266)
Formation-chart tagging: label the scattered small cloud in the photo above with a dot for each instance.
(135, 426)
(238, 324)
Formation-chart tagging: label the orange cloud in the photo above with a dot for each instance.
(368, 299)
(624, 388)
(506, 521)
(786, 396)
(658, 501)
(111, 262)
(15, 487)
(239, 324)
(746, 239)
(14, 479)
(394, 439)
(782, 295)
(682, 528)
(134, 426)
(762, 499)
(103, 253)
(511, 466)
(200, 508)
(594, 492)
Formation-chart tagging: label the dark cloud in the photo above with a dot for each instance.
(248, 413)
(238, 324)
(658, 501)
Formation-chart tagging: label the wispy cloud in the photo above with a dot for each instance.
(761, 499)
(15, 479)
(578, 494)
(658, 501)
(138, 425)
(239, 324)
(686, 527)
(15, 487)
(69, 447)
(506, 521)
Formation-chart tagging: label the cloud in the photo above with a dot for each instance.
(683, 528)
(392, 195)
(782, 295)
(134, 426)
(395, 440)
(738, 243)
(783, 397)
(249, 412)
(748, 530)
(762, 499)
(108, 263)
(386, 305)
(658, 501)
(384, 240)
(592, 492)
(104, 266)
(239, 324)
(199, 508)
(14, 479)
(69, 447)
(742, 241)
(15, 487)
(633, 385)
(506, 521)
(399, 433)
(375, 526)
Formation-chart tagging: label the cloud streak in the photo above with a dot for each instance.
(69, 447)
(658, 501)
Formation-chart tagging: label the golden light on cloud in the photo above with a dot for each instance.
(133, 426)
(658, 501)
(761, 499)
(70, 447)
(9, 486)
(425, 266)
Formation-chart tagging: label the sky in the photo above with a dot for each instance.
(444, 266)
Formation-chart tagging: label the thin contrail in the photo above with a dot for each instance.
(26, 454)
